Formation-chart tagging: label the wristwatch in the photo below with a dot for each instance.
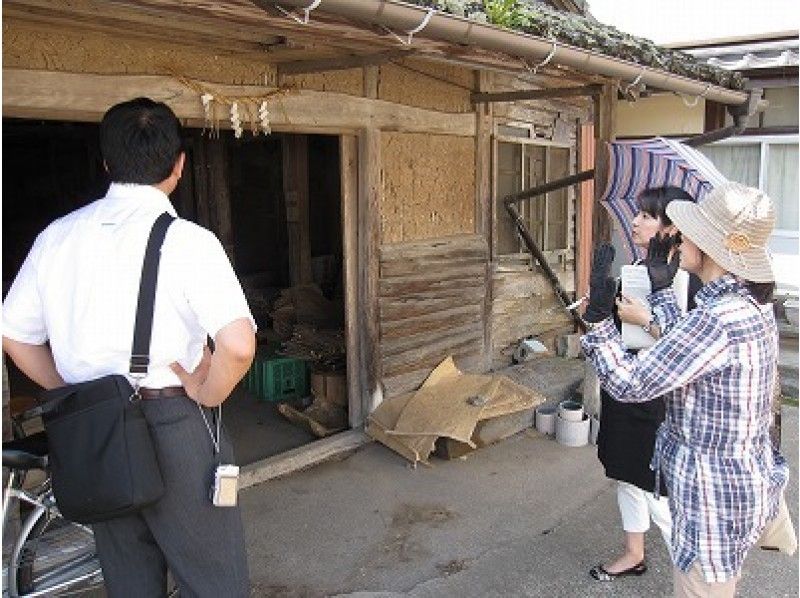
(648, 328)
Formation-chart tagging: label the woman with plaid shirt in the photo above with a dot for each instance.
(716, 368)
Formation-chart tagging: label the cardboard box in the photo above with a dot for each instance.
(330, 386)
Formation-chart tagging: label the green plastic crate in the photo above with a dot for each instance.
(278, 379)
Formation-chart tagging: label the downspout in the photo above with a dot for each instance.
(409, 20)
(741, 114)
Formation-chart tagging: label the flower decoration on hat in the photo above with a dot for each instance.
(737, 242)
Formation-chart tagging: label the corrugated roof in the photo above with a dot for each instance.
(535, 18)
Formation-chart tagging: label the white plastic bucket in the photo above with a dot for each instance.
(546, 420)
(572, 433)
(570, 411)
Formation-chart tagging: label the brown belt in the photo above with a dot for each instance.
(162, 393)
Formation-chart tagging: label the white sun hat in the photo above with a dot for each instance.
(731, 225)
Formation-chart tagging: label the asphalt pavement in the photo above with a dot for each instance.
(524, 517)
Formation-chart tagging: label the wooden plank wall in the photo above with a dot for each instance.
(431, 298)
(525, 304)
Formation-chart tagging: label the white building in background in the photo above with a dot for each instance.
(766, 154)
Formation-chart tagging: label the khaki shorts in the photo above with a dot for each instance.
(694, 585)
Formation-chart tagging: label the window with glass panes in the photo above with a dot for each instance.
(769, 163)
(522, 166)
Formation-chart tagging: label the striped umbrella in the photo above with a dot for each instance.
(637, 165)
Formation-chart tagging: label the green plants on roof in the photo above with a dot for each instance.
(536, 18)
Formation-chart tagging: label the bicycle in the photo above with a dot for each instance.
(51, 556)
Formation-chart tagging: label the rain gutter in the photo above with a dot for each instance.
(407, 20)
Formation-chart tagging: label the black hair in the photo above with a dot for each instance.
(763, 292)
(655, 199)
(140, 141)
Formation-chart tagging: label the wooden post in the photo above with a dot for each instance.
(604, 110)
(586, 207)
(369, 189)
(483, 202)
(295, 191)
(200, 168)
(714, 116)
(219, 195)
(371, 77)
(348, 156)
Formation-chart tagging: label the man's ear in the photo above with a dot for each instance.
(177, 170)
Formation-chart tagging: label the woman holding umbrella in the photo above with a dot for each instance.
(716, 368)
(628, 430)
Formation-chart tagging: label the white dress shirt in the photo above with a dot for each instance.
(79, 285)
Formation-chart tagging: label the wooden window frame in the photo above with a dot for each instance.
(561, 255)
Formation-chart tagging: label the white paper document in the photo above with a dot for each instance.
(636, 287)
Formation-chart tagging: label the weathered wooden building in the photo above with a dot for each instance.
(397, 114)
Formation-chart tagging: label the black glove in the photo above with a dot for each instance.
(602, 287)
(660, 268)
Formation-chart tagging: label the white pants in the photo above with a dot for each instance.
(637, 507)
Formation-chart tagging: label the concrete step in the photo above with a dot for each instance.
(788, 356)
(557, 378)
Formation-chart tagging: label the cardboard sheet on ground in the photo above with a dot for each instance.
(449, 404)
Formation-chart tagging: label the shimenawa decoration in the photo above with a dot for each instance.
(237, 109)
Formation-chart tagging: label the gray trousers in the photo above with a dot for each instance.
(202, 545)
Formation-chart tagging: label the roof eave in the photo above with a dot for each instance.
(404, 17)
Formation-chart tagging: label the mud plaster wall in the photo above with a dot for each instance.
(38, 47)
(428, 186)
(30, 46)
(426, 85)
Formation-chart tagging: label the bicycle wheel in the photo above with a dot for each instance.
(58, 557)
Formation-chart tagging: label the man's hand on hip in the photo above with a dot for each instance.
(192, 382)
(219, 373)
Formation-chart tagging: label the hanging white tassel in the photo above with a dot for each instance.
(206, 99)
(236, 121)
(263, 117)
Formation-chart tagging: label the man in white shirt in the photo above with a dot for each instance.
(69, 317)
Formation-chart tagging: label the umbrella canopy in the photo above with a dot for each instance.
(638, 165)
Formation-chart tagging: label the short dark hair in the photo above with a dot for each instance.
(763, 292)
(655, 199)
(140, 141)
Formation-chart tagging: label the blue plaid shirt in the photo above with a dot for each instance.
(716, 369)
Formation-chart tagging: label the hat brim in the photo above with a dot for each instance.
(752, 264)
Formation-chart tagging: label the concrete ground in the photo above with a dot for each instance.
(525, 517)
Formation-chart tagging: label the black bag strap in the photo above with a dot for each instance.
(143, 328)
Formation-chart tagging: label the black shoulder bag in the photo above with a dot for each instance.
(102, 460)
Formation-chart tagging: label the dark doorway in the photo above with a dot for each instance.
(238, 189)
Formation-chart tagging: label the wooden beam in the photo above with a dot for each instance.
(83, 97)
(536, 94)
(369, 227)
(302, 457)
(301, 67)
(348, 156)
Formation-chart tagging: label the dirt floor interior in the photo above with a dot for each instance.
(52, 168)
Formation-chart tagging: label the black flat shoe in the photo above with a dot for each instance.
(599, 572)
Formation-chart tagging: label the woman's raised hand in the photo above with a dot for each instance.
(662, 261)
